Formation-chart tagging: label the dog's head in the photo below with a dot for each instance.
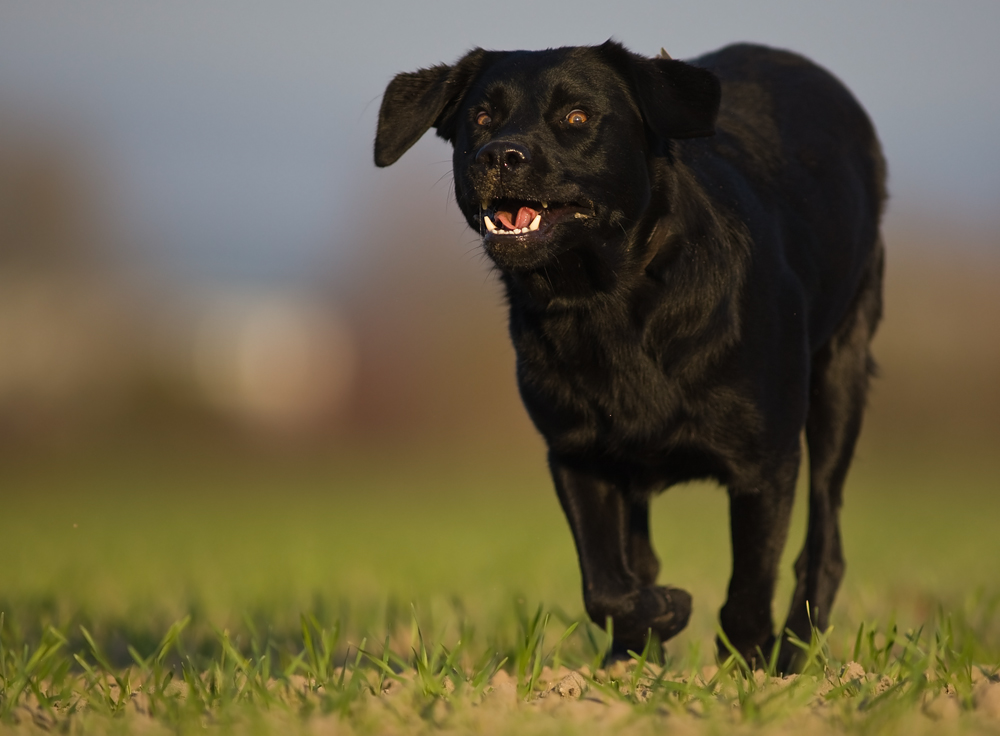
(552, 148)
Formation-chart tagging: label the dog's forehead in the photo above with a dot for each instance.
(576, 69)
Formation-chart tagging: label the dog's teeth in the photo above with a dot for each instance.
(482, 205)
(545, 205)
(580, 215)
(535, 223)
(489, 224)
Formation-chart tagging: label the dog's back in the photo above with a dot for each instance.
(811, 153)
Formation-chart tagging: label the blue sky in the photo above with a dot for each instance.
(237, 135)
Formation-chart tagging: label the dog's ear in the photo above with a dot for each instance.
(414, 101)
(677, 100)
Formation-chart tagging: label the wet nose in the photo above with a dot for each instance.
(503, 153)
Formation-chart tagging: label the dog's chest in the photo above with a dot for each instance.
(586, 381)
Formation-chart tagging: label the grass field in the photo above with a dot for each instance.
(148, 590)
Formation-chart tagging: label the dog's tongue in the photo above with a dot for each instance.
(524, 217)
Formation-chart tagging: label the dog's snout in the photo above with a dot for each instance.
(503, 154)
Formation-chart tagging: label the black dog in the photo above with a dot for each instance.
(692, 258)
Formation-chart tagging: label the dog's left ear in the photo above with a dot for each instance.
(677, 100)
(414, 101)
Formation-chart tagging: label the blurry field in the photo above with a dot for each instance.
(128, 540)
(159, 531)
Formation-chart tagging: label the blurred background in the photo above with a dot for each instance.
(193, 235)
(198, 256)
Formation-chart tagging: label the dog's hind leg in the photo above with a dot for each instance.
(602, 518)
(838, 390)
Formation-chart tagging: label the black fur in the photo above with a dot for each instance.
(702, 289)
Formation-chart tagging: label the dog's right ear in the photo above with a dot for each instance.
(415, 101)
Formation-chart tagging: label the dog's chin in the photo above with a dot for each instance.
(523, 252)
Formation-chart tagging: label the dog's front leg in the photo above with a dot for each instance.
(759, 519)
(600, 516)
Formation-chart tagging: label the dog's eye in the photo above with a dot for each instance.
(483, 118)
(576, 117)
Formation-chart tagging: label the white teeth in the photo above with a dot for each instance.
(545, 205)
(515, 231)
(482, 205)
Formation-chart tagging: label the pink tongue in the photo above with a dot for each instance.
(524, 217)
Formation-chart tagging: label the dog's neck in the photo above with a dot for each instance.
(575, 279)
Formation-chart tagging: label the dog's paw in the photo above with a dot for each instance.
(661, 609)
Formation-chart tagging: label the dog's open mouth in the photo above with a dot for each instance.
(510, 217)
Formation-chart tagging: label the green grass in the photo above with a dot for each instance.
(166, 589)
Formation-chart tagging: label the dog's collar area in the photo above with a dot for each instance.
(512, 217)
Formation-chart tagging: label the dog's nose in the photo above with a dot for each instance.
(503, 153)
